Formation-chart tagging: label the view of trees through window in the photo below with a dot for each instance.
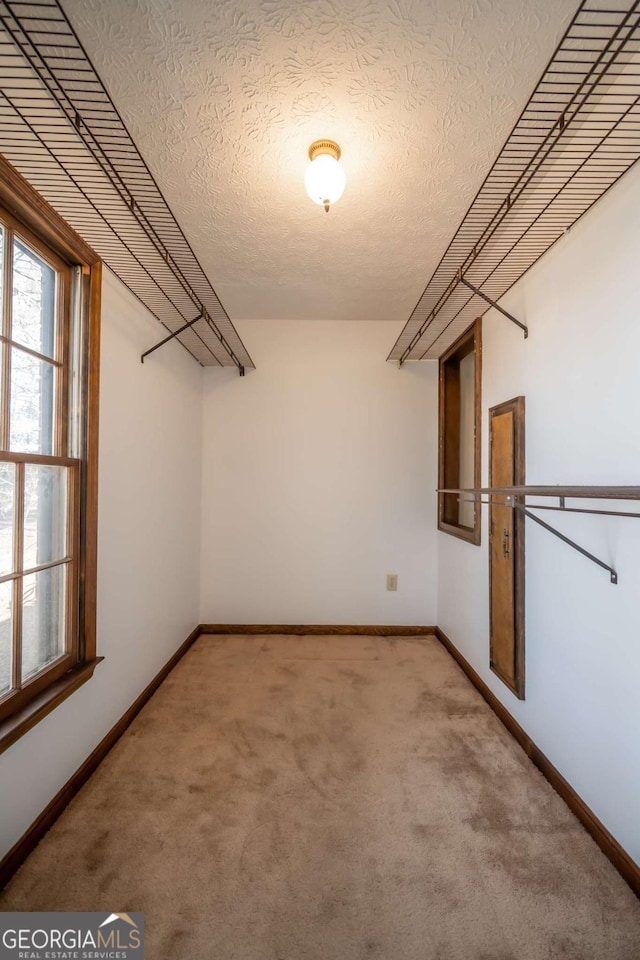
(35, 526)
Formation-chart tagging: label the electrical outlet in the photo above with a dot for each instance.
(392, 581)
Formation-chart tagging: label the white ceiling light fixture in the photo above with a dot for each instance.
(324, 180)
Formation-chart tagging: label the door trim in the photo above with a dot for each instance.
(517, 407)
(449, 433)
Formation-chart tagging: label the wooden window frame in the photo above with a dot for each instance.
(53, 239)
(449, 432)
(515, 683)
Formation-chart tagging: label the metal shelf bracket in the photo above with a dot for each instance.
(492, 303)
(571, 543)
(172, 336)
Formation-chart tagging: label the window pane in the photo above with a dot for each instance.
(6, 635)
(33, 301)
(467, 444)
(32, 404)
(7, 516)
(45, 514)
(43, 619)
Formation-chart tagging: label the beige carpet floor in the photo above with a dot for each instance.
(330, 798)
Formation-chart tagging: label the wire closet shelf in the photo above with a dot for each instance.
(60, 129)
(577, 135)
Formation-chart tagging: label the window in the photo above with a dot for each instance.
(49, 283)
(459, 434)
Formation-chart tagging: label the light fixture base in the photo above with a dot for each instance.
(330, 147)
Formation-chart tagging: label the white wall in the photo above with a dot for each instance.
(579, 372)
(319, 473)
(149, 518)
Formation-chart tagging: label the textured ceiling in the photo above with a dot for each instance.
(223, 99)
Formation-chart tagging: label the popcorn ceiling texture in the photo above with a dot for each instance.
(223, 100)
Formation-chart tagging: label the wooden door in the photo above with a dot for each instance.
(506, 549)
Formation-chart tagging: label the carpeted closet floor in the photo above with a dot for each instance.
(330, 798)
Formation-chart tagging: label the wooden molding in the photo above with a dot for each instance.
(516, 679)
(89, 491)
(29, 841)
(626, 867)
(27, 215)
(314, 629)
(449, 432)
(25, 203)
(51, 696)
